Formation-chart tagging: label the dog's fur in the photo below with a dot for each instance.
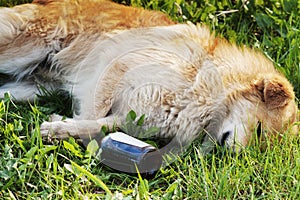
(114, 59)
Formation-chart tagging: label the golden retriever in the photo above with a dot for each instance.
(114, 59)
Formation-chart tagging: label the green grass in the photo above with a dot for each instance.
(13, 2)
(31, 168)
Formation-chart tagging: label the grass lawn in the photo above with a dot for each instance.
(33, 169)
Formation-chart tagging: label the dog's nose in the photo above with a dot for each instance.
(224, 137)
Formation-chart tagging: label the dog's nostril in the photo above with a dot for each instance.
(224, 138)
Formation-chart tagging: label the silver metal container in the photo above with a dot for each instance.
(127, 154)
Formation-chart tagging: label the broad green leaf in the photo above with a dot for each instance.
(91, 148)
(131, 116)
(141, 120)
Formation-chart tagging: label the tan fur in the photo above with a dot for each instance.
(114, 58)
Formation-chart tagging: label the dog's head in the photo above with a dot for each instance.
(265, 106)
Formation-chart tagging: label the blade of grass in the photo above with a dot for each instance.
(92, 177)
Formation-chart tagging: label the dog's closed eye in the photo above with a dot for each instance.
(259, 130)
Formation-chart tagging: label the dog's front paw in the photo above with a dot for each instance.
(54, 130)
(71, 128)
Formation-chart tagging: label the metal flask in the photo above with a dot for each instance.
(128, 154)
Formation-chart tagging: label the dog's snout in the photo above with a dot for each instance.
(224, 137)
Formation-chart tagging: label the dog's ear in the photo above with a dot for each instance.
(276, 92)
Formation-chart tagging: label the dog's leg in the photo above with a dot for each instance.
(21, 91)
(75, 127)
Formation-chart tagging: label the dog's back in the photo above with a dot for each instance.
(35, 32)
(32, 34)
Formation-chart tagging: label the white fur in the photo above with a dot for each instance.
(21, 91)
